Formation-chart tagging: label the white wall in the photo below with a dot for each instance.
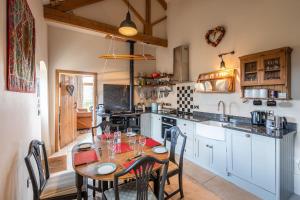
(252, 26)
(19, 121)
(79, 51)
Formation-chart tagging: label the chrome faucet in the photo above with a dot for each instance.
(223, 117)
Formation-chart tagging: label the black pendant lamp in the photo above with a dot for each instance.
(128, 27)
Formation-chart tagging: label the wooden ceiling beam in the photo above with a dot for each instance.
(54, 15)
(163, 3)
(69, 5)
(158, 21)
(135, 12)
(147, 26)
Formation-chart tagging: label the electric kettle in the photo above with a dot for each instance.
(258, 118)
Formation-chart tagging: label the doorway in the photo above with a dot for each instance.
(76, 99)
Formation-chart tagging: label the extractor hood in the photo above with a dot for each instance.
(181, 63)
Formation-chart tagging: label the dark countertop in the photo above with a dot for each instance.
(236, 123)
(260, 130)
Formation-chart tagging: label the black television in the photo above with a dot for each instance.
(116, 97)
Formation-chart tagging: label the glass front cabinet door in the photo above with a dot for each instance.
(250, 68)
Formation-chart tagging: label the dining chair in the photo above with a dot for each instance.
(44, 186)
(139, 188)
(102, 125)
(175, 168)
(102, 185)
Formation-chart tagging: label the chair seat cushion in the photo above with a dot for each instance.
(127, 191)
(59, 185)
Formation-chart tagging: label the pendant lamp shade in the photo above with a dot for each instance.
(128, 27)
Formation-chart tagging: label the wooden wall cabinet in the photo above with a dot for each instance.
(268, 69)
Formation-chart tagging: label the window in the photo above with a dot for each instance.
(88, 92)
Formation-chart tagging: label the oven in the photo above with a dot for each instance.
(166, 124)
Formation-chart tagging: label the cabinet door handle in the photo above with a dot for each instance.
(247, 135)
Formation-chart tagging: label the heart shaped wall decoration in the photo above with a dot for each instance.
(214, 36)
(70, 89)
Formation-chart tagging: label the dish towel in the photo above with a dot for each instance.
(85, 157)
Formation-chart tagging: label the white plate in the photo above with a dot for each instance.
(159, 150)
(131, 134)
(106, 168)
(85, 146)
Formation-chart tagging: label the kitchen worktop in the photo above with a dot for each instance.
(235, 123)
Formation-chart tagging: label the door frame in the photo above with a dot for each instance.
(57, 73)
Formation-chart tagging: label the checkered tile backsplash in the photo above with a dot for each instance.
(185, 97)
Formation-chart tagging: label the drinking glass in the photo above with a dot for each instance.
(129, 131)
(132, 142)
(107, 132)
(142, 142)
(111, 149)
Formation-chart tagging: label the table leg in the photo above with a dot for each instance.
(157, 184)
(79, 183)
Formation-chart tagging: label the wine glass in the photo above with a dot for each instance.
(142, 142)
(107, 132)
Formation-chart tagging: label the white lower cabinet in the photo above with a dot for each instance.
(264, 162)
(210, 154)
(187, 128)
(156, 127)
(252, 158)
(239, 154)
(146, 124)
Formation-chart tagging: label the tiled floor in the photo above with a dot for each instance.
(199, 184)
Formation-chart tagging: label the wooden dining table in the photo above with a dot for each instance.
(100, 145)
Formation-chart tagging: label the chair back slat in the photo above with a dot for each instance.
(176, 135)
(103, 125)
(38, 172)
(143, 169)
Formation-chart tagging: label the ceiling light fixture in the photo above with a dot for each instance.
(222, 64)
(128, 27)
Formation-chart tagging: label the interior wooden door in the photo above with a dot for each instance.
(67, 110)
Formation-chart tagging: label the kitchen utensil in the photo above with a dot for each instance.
(271, 103)
(270, 123)
(282, 95)
(100, 109)
(222, 85)
(248, 93)
(208, 86)
(273, 94)
(199, 87)
(258, 118)
(257, 102)
(280, 122)
(255, 93)
(154, 107)
(159, 107)
(263, 93)
(106, 168)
